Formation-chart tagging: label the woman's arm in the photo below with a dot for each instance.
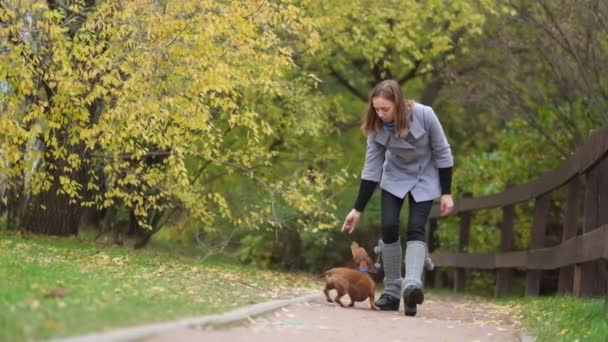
(370, 177)
(446, 204)
(440, 148)
(374, 159)
(366, 190)
(445, 180)
(372, 171)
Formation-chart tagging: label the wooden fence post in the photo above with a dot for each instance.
(570, 229)
(463, 242)
(602, 218)
(586, 273)
(432, 243)
(539, 227)
(503, 275)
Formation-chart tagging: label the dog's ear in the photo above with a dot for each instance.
(370, 264)
(354, 250)
(362, 260)
(357, 257)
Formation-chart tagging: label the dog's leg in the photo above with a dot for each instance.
(352, 303)
(337, 300)
(371, 302)
(341, 293)
(326, 292)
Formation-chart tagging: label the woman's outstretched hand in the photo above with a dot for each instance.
(446, 205)
(351, 221)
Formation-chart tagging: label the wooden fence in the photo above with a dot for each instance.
(582, 254)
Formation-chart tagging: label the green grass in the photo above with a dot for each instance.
(562, 318)
(549, 318)
(113, 287)
(109, 287)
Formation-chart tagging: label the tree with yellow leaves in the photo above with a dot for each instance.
(147, 104)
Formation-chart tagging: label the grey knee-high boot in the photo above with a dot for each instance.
(391, 262)
(415, 256)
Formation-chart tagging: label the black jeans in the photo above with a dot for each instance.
(418, 215)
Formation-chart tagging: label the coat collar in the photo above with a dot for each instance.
(416, 129)
(416, 132)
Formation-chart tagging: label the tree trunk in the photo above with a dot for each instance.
(431, 91)
(51, 213)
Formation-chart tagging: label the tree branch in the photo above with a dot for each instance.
(58, 5)
(347, 84)
(410, 74)
(568, 45)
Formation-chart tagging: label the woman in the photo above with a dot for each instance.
(407, 153)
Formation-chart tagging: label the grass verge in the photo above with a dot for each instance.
(562, 318)
(53, 287)
(547, 318)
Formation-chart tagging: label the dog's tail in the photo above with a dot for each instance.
(328, 273)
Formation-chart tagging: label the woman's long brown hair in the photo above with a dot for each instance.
(389, 90)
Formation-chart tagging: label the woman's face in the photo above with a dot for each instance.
(384, 108)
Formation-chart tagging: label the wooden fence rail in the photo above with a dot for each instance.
(587, 156)
(583, 248)
(582, 255)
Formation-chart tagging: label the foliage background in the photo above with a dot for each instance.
(234, 126)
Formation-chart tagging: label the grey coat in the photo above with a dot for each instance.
(409, 164)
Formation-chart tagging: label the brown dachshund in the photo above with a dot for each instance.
(358, 284)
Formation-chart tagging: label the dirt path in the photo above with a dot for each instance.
(440, 318)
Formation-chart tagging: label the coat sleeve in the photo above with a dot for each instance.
(374, 159)
(440, 148)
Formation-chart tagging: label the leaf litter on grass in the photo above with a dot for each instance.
(119, 286)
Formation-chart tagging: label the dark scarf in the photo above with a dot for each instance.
(390, 126)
